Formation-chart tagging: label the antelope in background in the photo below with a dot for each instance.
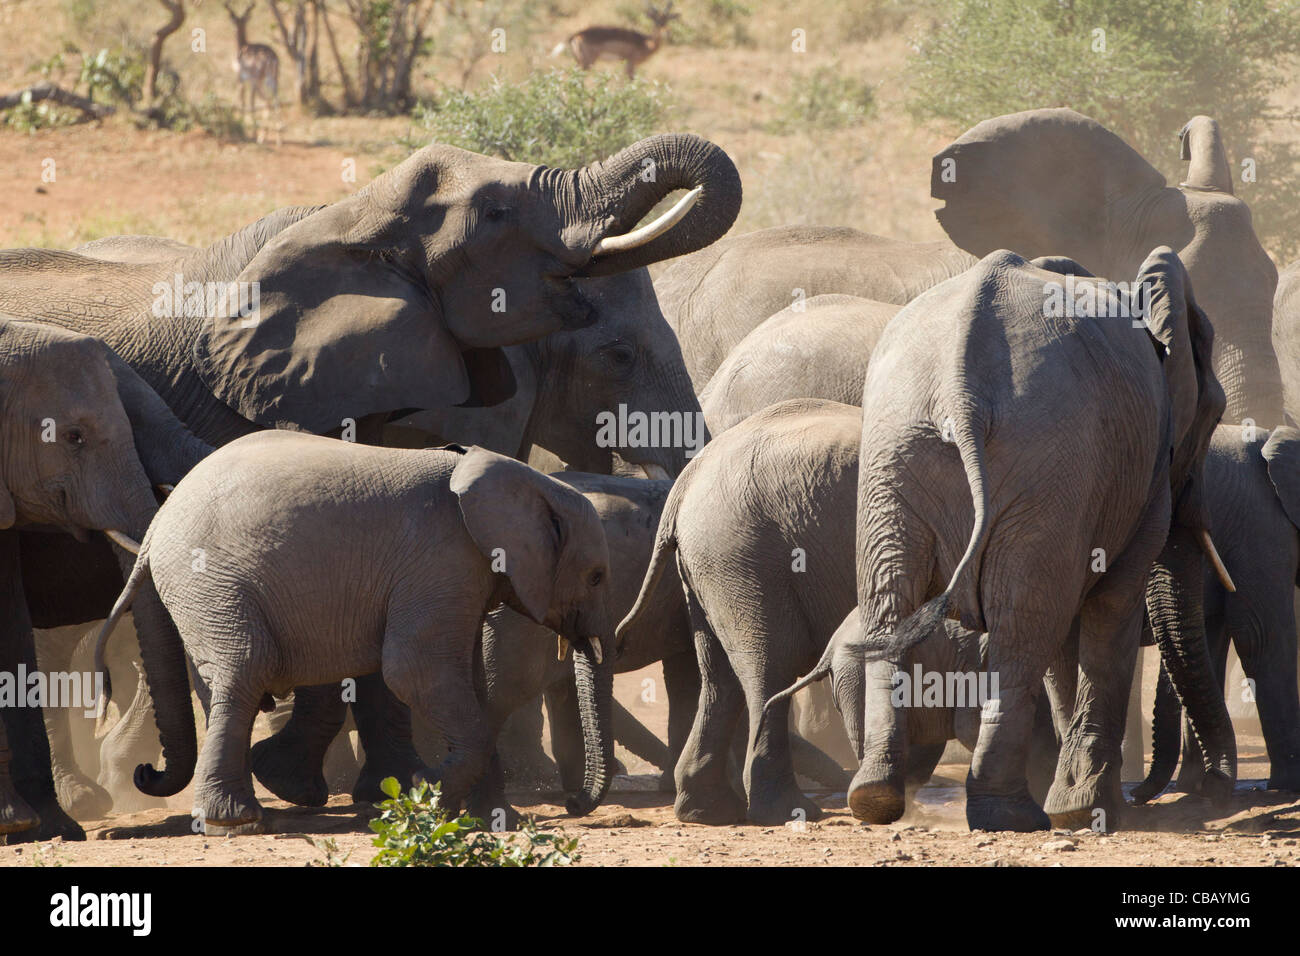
(258, 68)
(619, 43)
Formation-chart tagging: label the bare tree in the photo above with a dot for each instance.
(394, 34)
(301, 38)
(177, 10)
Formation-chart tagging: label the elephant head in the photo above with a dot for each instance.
(546, 541)
(402, 295)
(70, 459)
(1054, 182)
(626, 362)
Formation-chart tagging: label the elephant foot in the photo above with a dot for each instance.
(1085, 805)
(366, 789)
(53, 823)
(1017, 814)
(1284, 778)
(875, 797)
(15, 815)
(782, 808)
(215, 810)
(717, 809)
(666, 782)
(286, 768)
(497, 814)
(1217, 788)
(84, 799)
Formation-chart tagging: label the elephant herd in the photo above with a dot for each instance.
(1007, 460)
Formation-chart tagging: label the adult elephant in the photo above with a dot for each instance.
(1286, 337)
(70, 463)
(1048, 517)
(1054, 182)
(715, 297)
(1252, 486)
(816, 349)
(400, 297)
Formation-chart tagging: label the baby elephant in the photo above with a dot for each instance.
(293, 560)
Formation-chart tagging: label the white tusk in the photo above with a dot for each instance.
(561, 647)
(597, 651)
(639, 237)
(656, 472)
(122, 541)
(1211, 552)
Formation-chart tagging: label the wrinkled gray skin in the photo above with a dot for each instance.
(521, 661)
(1053, 182)
(1286, 337)
(1253, 489)
(86, 476)
(1003, 530)
(407, 275)
(628, 356)
(818, 349)
(328, 559)
(715, 297)
(782, 480)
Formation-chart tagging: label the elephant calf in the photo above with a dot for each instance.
(288, 559)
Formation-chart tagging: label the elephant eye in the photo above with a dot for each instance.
(596, 577)
(495, 213)
(621, 355)
(75, 436)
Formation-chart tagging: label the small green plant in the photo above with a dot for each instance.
(330, 847)
(826, 98)
(563, 118)
(413, 830)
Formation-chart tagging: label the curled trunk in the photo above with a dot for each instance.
(625, 187)
(1202, 146)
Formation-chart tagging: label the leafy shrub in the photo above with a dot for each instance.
(826, 98)
(1141, 69)
(412, 830)
(561, 118)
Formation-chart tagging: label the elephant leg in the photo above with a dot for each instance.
(1087, 791)
(1022, 643)
(682, 684)
(811, 761)
(384, 727)
(82, 797)
(638, 739)
(1133, 752)
(566, 733)
(487, 800)
(522, 757)
(289, 763)
(773, 792)
(27, 796)
(223, 788)
(704, 791)
(132, 741)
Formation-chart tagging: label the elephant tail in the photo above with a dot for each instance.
(138, 574)
(968, 435)
(665, 548)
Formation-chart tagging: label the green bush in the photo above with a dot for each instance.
(1152, 66)
(826, 98)
(412, 830)
(561, 118)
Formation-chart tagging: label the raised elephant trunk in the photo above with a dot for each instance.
(595, 686)
(622, 189)
(1174, 605)
(1202, 144)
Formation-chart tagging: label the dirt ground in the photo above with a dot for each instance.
(636, 827)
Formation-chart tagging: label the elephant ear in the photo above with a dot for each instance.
(1185, 339)
(508, 514)
(1038, 182)
(338, 328)
(1282, 453)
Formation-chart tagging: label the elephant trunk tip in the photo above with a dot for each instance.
(1202, 146)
